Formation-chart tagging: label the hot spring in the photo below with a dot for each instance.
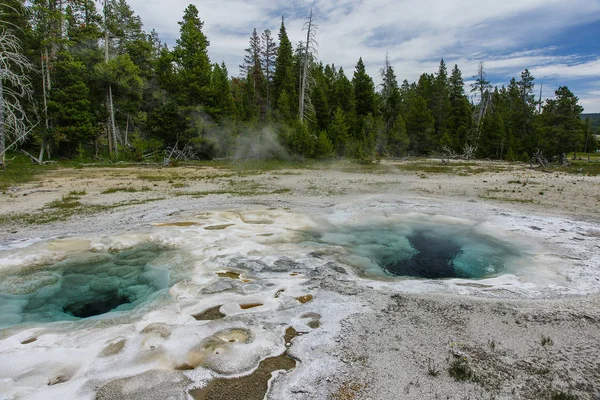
(421, 249)
(83, 286)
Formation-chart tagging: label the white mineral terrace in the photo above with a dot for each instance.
(264, 273)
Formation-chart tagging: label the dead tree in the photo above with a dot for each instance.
(538, 158)
(111, 125)
(306, 81)
(481, 85)
(474, 137)
(15, 88)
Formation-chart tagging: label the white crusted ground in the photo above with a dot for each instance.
(375, 337)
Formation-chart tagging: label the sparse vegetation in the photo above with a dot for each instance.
(547, 341)
(18, 171)
(460, 369)
(125, 190)
(560, 395)
(432, 368)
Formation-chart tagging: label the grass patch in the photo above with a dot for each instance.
(67, 202)
(68, 206)
(562, 396)
(461, 370)
(125, 190)
(19, 170)
(432, 368)
(272, 165)
(426, 168)
(506, 199)
(547, 341)
(578, 167)
(160, 178)
(458, 168)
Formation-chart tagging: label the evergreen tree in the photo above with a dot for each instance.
(268, 60)
(459, 118)
(364, 90)
(563, 130)
(440, 102)
(390, 94)
(123, 76)
(252, 68)
(124, 27)
(283, 79)
(339, 131)
(222, 105)
(420, 126)
(193, 65)
(398, 141)
(523, 109)
(69, 105)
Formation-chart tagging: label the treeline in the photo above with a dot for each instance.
(99, 81)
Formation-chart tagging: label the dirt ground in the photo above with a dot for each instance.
(408, 345)
(98, 190)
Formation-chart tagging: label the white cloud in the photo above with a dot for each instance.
(416, 33)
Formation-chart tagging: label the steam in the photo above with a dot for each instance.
(239, 141)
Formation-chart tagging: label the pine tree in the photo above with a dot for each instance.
(283, 79)
(390, 93)
(440, 103)
(252, 69)
(460, 112)
(563, 129)
(222, 99)
(124, 27)
(364, 90)
(193, 65)
(269, 54)
(420, 126)
(339, 131)
(69, 105)
(398, 141)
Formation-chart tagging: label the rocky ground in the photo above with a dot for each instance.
(534, 339)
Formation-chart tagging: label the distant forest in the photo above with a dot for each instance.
(81, 80)
(594, 120)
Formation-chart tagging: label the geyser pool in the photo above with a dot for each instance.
(421, 249)
(83, 286)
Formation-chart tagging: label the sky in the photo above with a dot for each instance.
(557, 40)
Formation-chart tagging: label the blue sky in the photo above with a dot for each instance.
(557, 40)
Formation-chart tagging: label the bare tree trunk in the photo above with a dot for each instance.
(112, 121)
(310, 41)
(540, 101)
(46, 85)
(110, 124)
(2, 136)
(305, 69)
(587, 135)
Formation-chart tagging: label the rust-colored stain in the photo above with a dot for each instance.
(249, 387)
(178, 224)
(305, 299)
(184, 367)
(211, 314)
(218, 227)
(229, 274)
(250, 305)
